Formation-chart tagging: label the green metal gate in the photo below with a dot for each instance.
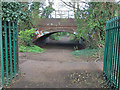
(8, 52)
(111, 67)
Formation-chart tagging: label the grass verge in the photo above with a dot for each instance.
(89, 52)
(33, 49)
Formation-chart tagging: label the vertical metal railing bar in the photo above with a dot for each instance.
(119, 76)
(0, 56)
(112, 73)
(6, 51)
(17, 60)
(10, 52)
(113, 29)
(14, 50)
(105, 49)
(117, 67)
(115, 52)
(118, 62)
(107, 46)
(117, 44)
(119, 56)
(1, 50)
(112, 50)
(108, 54)
(111, 54)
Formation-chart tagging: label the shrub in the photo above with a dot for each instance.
(25, 37)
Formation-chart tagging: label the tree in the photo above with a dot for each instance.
(91, 20)
(47, 10)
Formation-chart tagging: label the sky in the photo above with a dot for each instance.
(58, 5)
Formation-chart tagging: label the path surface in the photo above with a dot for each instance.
(57, 68)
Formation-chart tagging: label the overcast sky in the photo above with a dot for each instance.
(59, 5)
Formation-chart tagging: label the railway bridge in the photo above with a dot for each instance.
(47, 26)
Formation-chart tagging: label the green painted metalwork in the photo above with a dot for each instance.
(14, 48)
(17, 59)
(1, 52)
(8, 52)
(111, 66)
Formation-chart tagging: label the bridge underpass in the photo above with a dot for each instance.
(49, 26)
(52, 25)
(64, 41)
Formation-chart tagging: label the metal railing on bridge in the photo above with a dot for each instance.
(111, 67)
(62, 14)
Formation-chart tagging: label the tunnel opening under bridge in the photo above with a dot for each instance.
(64, 40)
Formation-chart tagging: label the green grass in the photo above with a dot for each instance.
(34, 49)
(89, 52)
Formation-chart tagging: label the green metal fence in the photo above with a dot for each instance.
(111, 67)
(8, 52)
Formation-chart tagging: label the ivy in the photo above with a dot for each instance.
(15, 11)
(92, 21)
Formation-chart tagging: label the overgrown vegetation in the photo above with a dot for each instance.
(15, 11)
(59, 35)
(24, 15)
(91, 20)
(93, 16)
(25, 42)
(97, 53)
(25, 37)
(34, 49)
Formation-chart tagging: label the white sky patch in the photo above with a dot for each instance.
(63, 10)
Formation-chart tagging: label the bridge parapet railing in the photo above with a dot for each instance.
(62, 14)
(111, 67)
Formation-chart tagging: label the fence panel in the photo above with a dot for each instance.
(8, 52)
(111, 67)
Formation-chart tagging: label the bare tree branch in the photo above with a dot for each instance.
(72, 6)
(67, 4)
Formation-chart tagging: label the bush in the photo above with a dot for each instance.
(25, 42)
(25, 37)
